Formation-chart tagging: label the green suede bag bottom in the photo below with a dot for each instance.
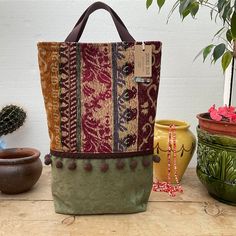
(80, 192)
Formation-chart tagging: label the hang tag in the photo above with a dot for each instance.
(142, 60)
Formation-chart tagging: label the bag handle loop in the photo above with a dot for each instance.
(78, 29)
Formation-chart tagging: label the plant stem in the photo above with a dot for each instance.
(227, 43)
(231, 82)
(209, 6)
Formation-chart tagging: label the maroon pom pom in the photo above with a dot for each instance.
(104, 167)
(59, 164)
(88, 167)
(156, 158)
(146, 162)
(72, 166)
(47, 159)
(133, 164)
(120, 165)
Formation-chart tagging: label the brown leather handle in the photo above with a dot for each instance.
(98, 3)
(78, 29)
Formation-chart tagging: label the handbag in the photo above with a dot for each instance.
(100, 119)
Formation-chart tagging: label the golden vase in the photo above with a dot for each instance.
(185, 147)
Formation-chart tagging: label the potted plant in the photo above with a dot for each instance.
(216, 152)
(216, 167)
(20, 168)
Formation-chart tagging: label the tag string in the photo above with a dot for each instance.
(167, 187)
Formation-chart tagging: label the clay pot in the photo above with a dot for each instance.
(216, 127)
(185, 147)
(20, 169)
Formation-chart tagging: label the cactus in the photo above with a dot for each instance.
(11, 118)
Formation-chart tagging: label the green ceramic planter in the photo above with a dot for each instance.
(216, 167)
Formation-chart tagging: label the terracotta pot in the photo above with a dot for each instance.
(216, 127)
(185, 146)
(20, 169)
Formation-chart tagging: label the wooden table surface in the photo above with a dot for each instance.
(190, 213)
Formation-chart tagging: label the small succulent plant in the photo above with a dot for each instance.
(11, 118)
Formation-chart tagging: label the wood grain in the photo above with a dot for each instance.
(191, 213)
(162, 218)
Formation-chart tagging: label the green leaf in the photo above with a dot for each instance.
(220, 5)
(198, 55)
(188, 6)
(148, 3)
(160, 3)
(194, 9)
(229, 14)
(226, 60)
(233, 25)
(218, 51)
(183, 6)
(206, 51)
(211, 13)
(216, 16)
(185, 13)
(226, 12)
(229, 36)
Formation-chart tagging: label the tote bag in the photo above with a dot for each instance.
(100, 119)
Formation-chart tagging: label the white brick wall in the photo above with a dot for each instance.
(186, 89)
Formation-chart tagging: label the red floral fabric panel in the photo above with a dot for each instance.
(96, 98)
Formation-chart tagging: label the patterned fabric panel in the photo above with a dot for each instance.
(92, 101)
(68, 96)
(96, 98)
(147, 97)
(48, 58)
(125, 91)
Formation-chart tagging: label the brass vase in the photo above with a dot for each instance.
(185, 147)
